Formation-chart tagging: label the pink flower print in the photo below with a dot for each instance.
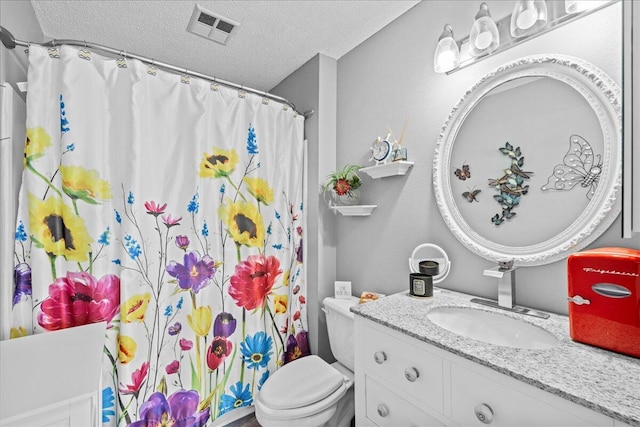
(173, 367)
(154, 208)
(137, 379)
(169, 221)
(79, 299)
(185, 344)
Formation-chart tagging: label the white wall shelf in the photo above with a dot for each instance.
(354, 210)
(388, 169)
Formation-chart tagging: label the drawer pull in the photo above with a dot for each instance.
(484, 413)
(380, 357)
(411, 374)
(383, 411)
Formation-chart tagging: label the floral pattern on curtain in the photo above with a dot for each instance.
(170, 208)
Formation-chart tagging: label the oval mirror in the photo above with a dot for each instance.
(528, 164)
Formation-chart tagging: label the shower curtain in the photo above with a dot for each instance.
(171, 208)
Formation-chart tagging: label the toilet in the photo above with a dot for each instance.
(309, 391)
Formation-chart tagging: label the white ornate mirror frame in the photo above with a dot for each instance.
(603, 95)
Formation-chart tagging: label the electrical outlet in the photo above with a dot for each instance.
(342, 289)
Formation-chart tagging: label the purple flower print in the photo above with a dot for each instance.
(195, 273)
(224, 325)
(182, 242)
(175, 328)
(22, 282)
(179, 409)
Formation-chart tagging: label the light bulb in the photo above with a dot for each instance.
(447, 55)
(528, 17)
(484, 37)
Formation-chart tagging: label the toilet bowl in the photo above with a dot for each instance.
(309, 391)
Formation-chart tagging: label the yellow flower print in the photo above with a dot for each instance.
(220, 163)
(126, 348)
(58, 229)
(37, 141)
(244, 222)
(259, 188)
(80, 183)
(286, 277)
(200, 320)
(135, 308)
(281, 303)
(18, 332)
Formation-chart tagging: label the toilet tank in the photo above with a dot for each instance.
(340, 325)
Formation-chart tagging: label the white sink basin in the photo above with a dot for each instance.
(492, 328)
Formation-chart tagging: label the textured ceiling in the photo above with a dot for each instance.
(275, 37)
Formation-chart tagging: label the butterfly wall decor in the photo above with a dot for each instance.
(510, 186)
(579, 166)
(464, 173)
(471, 195)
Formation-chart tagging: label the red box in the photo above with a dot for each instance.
(604, 298)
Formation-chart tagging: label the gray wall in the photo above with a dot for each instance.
(390, 78)
(313, 87)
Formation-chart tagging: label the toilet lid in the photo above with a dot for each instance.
(301, 383)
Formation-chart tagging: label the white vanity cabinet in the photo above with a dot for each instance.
(402, 381)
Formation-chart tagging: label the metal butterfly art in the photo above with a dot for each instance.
(470, 195)
(463, 173)
(579, 166)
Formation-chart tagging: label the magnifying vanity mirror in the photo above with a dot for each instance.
(528, 164)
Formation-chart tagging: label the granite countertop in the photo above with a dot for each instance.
(604, 381)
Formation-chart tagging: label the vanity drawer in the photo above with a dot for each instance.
(416, 372)
(385, 408)
(513, 405)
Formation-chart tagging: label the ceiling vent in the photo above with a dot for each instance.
(211, 25)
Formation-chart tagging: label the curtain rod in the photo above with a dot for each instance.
(11, 42)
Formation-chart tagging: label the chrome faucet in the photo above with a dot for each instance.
(505, 272)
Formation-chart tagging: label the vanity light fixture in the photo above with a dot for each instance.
(488, 36)
(447, 56)
(528, 17)
(484, 37)
(576, 6)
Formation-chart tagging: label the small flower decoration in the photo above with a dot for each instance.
(194, 273)
(154, 208)
(172, 367)
(179, 409)
(170, 221)
(200, 320)
(343, 181)
(218, 164)
(137, 379)
(253, 280)
(80, 183)
(79, 299)
(218, 351)
(135, 308)
(58, 230)
(182, 242)
(38, 140)
(260, 189)
(185, 344)
(244, 222)
(296, 347)
(256, 350)
(224, 325)
(240, 396)
(127, 347)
